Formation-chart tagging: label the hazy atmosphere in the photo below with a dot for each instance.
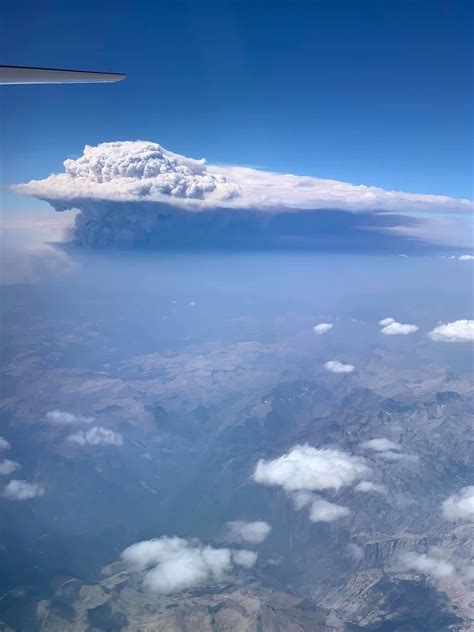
(237, 366)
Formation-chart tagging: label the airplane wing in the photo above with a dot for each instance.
(23, 74)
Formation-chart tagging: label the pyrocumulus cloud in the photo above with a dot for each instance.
(122, 189)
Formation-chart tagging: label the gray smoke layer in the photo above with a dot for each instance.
(105, 224)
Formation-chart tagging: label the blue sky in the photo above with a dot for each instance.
(367, 92)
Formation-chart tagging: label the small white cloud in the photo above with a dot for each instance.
(324, 511)
(457, 331)
(7, 467)
(63, 418)
(355, 551)
(460, 506)
(22, 490)
(251, 532)
(244, 558)
(392, 328)
(172, 564)
(302, 499)
(322, 328)
(334, 366)
(466, 258)
(422, 563)
(320, 510)
(369, 486)
(389, 455)
(380, 445)
(97, 436)
(388, 450)
(4, 445)
(310, 469)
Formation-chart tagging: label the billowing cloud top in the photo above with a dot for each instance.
(146, 172)
(132, 171)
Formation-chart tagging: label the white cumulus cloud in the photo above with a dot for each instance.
(97, 436)
(390, 455)
(7, 467)
(466, 258)
(380, 445)
(390, 327)
(355, 551)
(311, 469)
(460, 506)
(22, 490)
(322, 328)
(171, 564)
(369, 486)
(334, 366)
(302, 499)
(4, 445)
(388, 450)
(252, 532)
(457, 331)
(244, 558)
(63, 418)
(324, 511)
(422, 563)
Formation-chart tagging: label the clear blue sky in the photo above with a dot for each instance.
(372, 92)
